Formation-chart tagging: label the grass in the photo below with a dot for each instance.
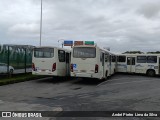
(19, 78)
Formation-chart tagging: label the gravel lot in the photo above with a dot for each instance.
(122, 92)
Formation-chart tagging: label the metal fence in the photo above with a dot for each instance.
(15, 59)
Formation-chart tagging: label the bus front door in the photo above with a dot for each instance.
(67, 64)
(159, 66)
(131, 64)
(103, 64)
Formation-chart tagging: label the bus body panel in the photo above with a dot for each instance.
(140, 68)
(53, 66)
(121, 67)
(84, 65)
(43, 66)
(87, 67)
(142, 63)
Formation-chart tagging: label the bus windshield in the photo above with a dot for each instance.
(84, 52)
(44, 52)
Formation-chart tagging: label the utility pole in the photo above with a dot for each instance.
(41, 25)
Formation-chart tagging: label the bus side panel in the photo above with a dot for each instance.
(152, 66)
(121, 67)
(140, 68)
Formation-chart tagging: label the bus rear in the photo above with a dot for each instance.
(85, 62)
(44, 61)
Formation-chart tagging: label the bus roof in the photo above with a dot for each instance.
(53, 47)
(83, 46)
(139, 54)
(105, 50)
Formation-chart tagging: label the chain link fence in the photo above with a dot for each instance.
(15, 59)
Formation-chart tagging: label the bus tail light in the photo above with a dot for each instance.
(54, 67)
(71, 67)
(33, 67)
(96, 68)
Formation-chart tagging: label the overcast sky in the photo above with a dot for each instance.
(122, 25)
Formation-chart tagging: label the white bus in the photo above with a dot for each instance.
(139, 63)
(51, 61)
(92, 62)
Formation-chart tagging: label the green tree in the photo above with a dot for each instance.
(133, 52)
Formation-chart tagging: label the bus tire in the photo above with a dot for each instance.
(106, 75)
(151, 73)
(11, 71)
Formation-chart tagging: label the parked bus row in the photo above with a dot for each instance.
(91, 61)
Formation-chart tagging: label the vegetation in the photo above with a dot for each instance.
(133, 52)
(16, 55)
(157, 52)
(139, 52)
(19, 78)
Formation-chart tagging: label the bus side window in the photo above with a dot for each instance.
(61, 55)
(113, 58)
(110, 58)
(151, 59)
(121, 58)
(141, 59)
(106, 57)
(102, 59)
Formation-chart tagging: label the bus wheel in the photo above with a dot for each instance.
(114, 71)
(106, 75)
(11, 71)
(151, 73)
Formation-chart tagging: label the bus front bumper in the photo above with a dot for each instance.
(86, 75)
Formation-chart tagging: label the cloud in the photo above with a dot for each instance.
(149, 10)
(122, 25)
(25, 28)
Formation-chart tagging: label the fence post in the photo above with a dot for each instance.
(25, 61)
(9, 75)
